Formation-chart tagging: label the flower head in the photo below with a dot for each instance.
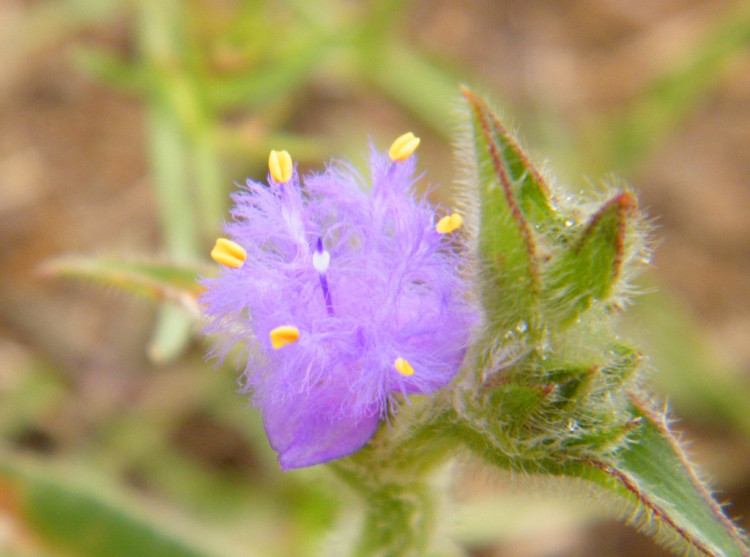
(345, 295)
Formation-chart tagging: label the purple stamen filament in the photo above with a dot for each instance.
(320, 261)
(326, 293)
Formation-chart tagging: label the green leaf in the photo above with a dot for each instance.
(508, 263)
(671, 503)
(589, 267)
(650, 473)
(158, 280)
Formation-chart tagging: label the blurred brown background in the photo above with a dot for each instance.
(74, 178)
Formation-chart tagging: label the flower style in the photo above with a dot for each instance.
(343, 297)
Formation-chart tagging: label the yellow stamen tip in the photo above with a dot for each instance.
(280, 166)
(449, 223)
(403, 147)
(403, 367)
(229, 253)
(283, 335)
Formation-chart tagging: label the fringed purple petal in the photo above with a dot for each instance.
(305, 429)
(385, 286)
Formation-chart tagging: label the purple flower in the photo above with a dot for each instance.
(344, 294)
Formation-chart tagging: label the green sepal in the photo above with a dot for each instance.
(516, 403)
(624, 365)
(508, 267)
(573, 392)
(551, 405)
(527, 183)
(590, 265)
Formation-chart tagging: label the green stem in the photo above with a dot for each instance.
(400, 517)
(394, 474)
(400, 521)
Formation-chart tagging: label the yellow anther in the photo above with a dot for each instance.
(286, 334)
(403, 147)
(403, 367)
(449, 223)
(280, 166)
(228, 253)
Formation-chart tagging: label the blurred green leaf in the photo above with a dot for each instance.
(623, 139)
(158, 280)
(423, 88)
(91, 521)
(171, 335)
(173, 110)
(271, 81)
(109, 68)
